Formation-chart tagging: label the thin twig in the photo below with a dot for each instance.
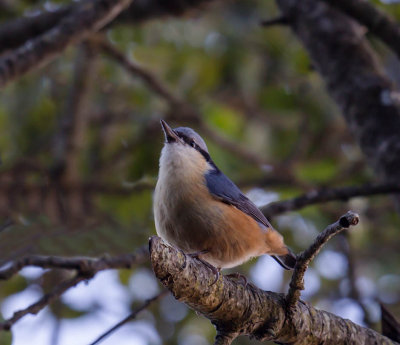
(136, 70)
(84, 187)
(354, 292)
(325, 195)
(232, 146)
(281, 20)
(186, 111)
(304, 258)
(81, 264)
(130, 317)
(86, 268)
(9, 222)
(44, 301)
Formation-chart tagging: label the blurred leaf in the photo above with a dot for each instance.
(317, 172)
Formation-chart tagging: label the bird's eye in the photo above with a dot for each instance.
(192, 143)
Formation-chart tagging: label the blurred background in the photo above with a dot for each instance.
(79, 146)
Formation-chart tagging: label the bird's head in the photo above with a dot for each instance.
(185, 148)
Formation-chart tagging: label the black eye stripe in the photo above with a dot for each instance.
(185, 138)
(204, 153)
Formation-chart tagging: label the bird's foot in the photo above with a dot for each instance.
(214, 269)
(240, 278)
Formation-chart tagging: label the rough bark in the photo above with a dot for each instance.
(88, 17)
(236, 309)
(342, 55)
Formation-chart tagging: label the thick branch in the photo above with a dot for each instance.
(377, 22)
(354, 78)
(327, 194)
(17, 32)
(237, 310)
(89, 17)
(304, 259)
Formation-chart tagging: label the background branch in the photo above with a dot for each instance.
(326, 195)
(45, 300)
(130, 317)
(86, 269)
(90, 16)
(17, 32)
(83, 265)
(377, 22)
(178, 107)
(354, 78)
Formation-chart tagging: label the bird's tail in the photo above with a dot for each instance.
(287, 261)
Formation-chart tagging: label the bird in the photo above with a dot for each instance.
(200, 211)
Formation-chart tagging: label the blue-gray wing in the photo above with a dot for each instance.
(221, 187)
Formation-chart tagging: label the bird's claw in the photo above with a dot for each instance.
(242, 279)
(214, 269)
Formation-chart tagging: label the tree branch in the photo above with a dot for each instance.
(136, 70)
(238, 310)
(354, 293)
(130, 317)
(86, 269)
(17, 32)
(44, 301)
(88, 17)
(377, 22)
(186, 111)
(281, 20)
(354, 78)
(304, 259)
(390, 326)
(326, 195)
(83, 265)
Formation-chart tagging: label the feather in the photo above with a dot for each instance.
(222, 188)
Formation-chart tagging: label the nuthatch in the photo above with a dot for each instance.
(201, 211)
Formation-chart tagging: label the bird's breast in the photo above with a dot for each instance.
(188, 217)
(194, 221)
(181, 211)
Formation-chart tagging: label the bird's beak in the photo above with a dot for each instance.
(170, 135)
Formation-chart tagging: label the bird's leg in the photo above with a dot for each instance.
(214, 269)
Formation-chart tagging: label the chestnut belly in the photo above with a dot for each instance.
(228, 235)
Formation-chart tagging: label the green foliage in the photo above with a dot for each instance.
(318, 172)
